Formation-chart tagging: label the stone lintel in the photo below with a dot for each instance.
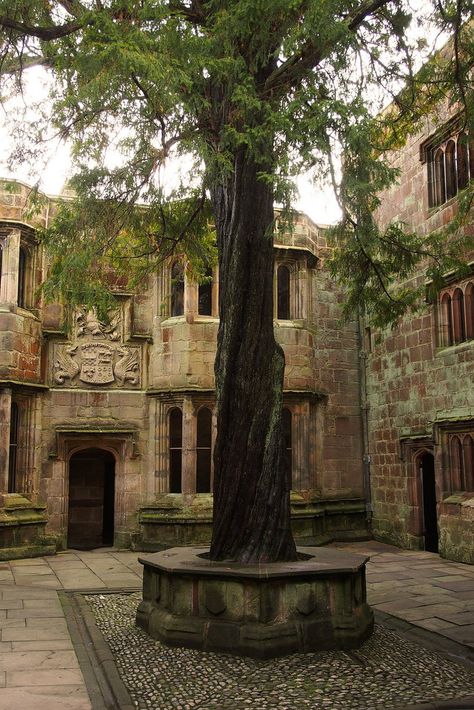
(16, 384)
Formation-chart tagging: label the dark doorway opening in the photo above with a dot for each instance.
(91, 499)
(430, 518)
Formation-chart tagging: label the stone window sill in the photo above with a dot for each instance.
(455, 348)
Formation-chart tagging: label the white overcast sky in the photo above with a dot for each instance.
(317, 202)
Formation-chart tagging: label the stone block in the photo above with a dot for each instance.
(314, 603)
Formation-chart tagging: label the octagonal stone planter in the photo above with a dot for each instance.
(262, 611)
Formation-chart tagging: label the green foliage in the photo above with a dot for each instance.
(292, 83)
(117, 245)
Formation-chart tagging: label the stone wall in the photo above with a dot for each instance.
(20, 347)
(86, 386)
(416, 388)
(111, 421)
(337, 369)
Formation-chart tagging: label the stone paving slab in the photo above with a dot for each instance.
(47, 658)
(43, 644)
(45, 698)
(46, 623)
(12, 623)
(47, 633)
(434, 595)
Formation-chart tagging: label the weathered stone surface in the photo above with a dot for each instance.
(187, 520)
(416, 384)
(263, 611)
(95, 377)
(22, 529)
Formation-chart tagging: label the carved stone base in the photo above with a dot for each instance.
(262, 611)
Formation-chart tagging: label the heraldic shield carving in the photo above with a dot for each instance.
(97, 363)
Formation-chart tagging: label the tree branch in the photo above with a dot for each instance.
(73, 7)
(195, 13)
(311, 55)
(44, 33)
(366, 9)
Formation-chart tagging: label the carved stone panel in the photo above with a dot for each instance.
(88, 325)
(96, 363)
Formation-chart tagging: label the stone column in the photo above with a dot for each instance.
(188, 476)
(316, 464)
(35, 446)
(302, 289)
(191, 291)
(11, 255)
(23, 448)
(152, 472)
(161, 438)
(163, 290)
(5, 413)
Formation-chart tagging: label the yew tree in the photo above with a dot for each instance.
(247, 93)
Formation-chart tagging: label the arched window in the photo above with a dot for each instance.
(468, 463)
(203, 450)
(283, 293)
(439, 190)
(447, 319)
(205, 295)
(450, 161)
(463, 161)
(469, 310)
(177, 289)
(13, 448)
(22, 278)
(459, 322)
(287, 439)
(457, 463)
(175, 448)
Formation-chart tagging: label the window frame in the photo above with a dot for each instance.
(13, 447)
(211, 286)
(461, 461)
(455, 313)
(455, 440)
(177, 287)
(204, 449)
(449, 157)
(172, 449)
(190, 405)
(284, 293)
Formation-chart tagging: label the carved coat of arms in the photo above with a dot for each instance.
(97, 363)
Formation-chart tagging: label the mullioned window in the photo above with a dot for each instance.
(449, 157)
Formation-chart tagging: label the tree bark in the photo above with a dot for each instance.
(251, 481)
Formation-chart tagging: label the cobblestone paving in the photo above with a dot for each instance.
(387, 672)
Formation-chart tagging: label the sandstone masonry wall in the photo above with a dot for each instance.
(415, 386)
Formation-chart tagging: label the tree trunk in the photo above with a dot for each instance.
(251, 481)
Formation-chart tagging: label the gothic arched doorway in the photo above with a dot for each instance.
(91, 499)
(430, 517)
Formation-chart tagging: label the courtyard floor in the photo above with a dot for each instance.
(68, 642)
